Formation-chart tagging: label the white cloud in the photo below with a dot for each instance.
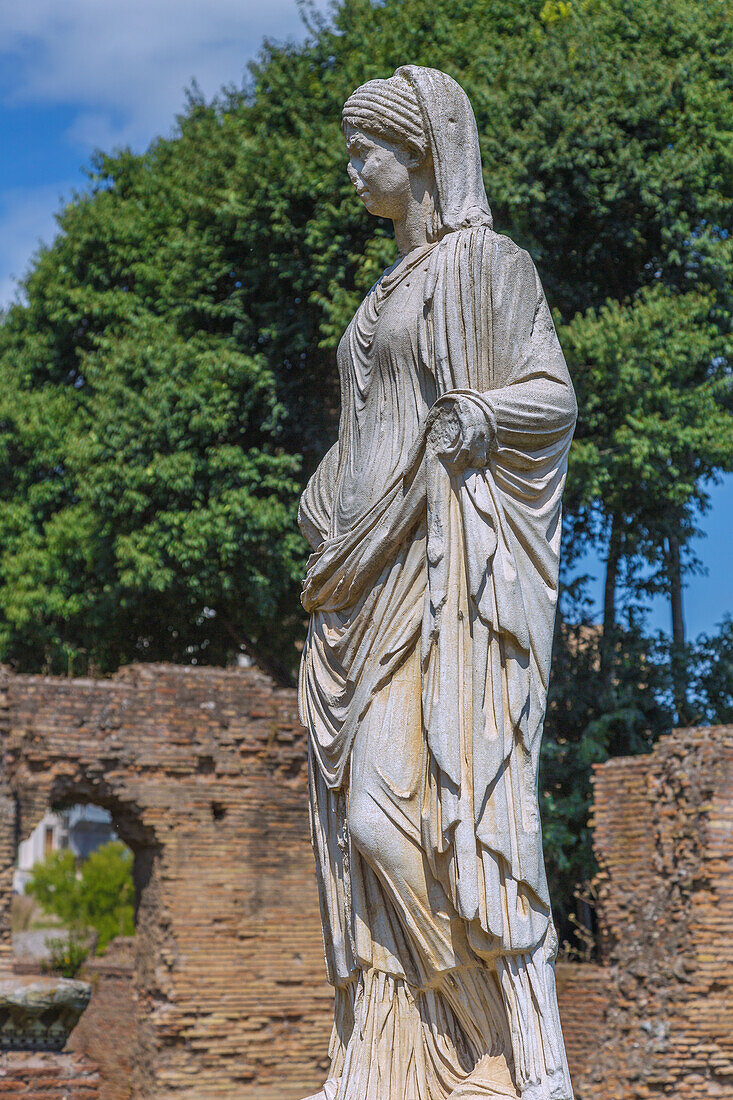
(26, 222)
(125, 63)
(121, 66)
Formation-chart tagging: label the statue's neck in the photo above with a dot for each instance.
(411, 229)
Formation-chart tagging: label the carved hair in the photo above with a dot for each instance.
(388, 109)
(426, 111)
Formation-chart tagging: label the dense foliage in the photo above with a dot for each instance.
(99, 897)
(171, 379)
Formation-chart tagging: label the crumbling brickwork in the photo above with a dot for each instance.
(663, 833)
(107, 1031)
(45, 1076)
(204, 772)
(205, 775)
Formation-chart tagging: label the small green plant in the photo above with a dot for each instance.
(99, 896)
(67, 954)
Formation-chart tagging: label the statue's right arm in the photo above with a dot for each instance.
(316, 503)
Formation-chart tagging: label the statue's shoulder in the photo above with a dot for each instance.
(497, 245)
(503, 262)
(512, 261)
(508, 250)
(469, 239)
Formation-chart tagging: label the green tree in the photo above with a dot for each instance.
(145, 494)
(650, 376)
(170, 380)
(55, 886)
(710, 661)
(100, 896)
(108, 893)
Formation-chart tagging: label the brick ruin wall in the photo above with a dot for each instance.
(107, 1032)
(663, 835)
(205, 775)
(222, 991)
(46, 1076)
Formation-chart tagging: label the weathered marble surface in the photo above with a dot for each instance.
(435, 526)
(40, 1013)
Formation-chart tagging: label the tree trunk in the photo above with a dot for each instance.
(608, 640)
(678, 661)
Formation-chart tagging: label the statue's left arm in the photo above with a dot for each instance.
(497, 454)
(513, 363)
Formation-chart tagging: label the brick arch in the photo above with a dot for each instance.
(34, 798)
(204, 773)
(77, 789)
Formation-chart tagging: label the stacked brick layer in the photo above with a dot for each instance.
(44, 1076)
(582, 994)
(204, 772)
(664, 840)
(205, 775)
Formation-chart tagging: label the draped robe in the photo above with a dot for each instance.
(423, 682)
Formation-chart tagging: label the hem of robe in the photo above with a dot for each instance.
(424, 1043)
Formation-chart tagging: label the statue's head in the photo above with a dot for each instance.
(416, 129)
(386, 143)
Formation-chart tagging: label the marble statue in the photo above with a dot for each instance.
(435, 528)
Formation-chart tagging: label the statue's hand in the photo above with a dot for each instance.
(462, 435)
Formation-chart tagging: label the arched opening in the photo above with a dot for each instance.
(73, 890)
(83, 833)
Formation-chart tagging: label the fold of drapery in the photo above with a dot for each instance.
(489, 333)
(467, 563)
(493, 559)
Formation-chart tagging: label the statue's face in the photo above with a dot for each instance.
(380, 173)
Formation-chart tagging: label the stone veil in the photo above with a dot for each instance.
(431, 591)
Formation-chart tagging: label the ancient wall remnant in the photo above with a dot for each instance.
(204, 773)
(223, 993)
(47, 1076)
(663, 834)
(107, 1032)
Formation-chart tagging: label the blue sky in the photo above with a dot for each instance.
(708, 596)
(83, 74)
(86, 74)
